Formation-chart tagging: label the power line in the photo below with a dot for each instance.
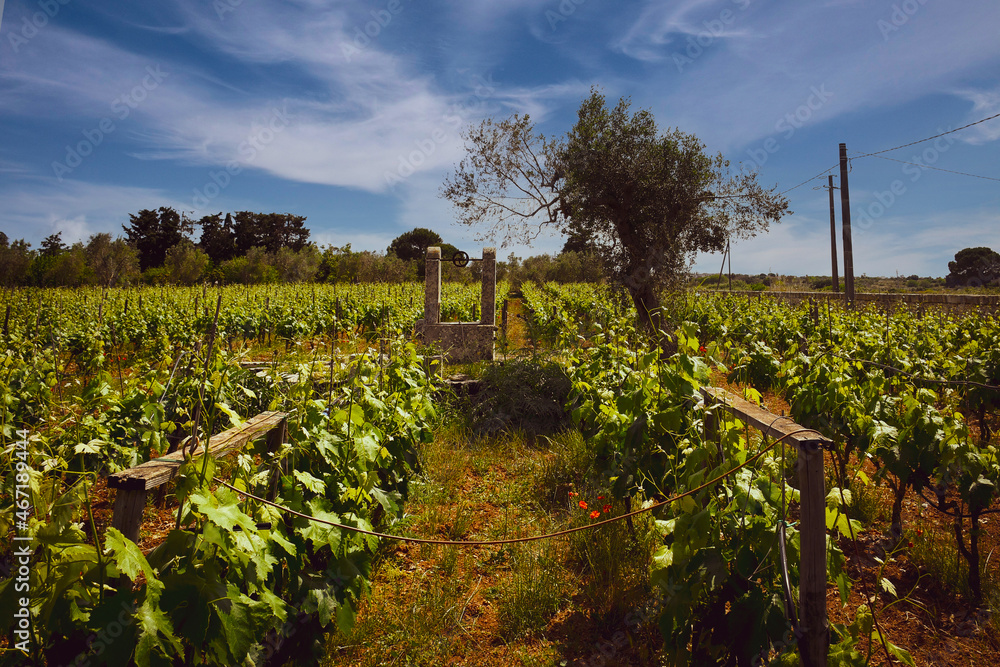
(820, 174)
(913, 143)
(896, 148)
(927, 166)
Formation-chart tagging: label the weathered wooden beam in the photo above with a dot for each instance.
(764, 421)
(156, 472)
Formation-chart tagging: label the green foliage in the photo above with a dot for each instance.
(185, 264)
(525, 395)
(219, 589)
(152, 233)
(974, 267)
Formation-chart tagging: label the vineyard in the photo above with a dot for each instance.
(96, 382)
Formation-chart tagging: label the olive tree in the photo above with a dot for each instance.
(645, 200)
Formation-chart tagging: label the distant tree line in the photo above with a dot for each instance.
(158, 247)
(245, 247)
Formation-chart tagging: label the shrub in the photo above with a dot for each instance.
(522, 395)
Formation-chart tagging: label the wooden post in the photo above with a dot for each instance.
(132, 485)
(273, 441)
(833, 235)
(712, 428)
(845, 214)
(129, 506)
(432, 287)
(488, 294)
(814, 629)
(814, 636)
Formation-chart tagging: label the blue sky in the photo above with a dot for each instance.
(305, 107)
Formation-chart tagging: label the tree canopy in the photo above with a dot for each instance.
(152, 233)
(413, 245)
(646, 201)
(974, 267)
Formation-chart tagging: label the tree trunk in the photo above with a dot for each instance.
(647, 305)
(898, 493)
(970, 553)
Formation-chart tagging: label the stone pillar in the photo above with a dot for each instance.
(432, 287)
(489, 290)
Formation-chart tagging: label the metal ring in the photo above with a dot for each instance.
(460, 258)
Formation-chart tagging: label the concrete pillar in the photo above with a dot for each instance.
(489, 290)
(432, 287)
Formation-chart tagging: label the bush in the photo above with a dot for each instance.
(185, 264)
(522, 395)
(819, 283)
(156, 276)
(254, 268)
(297, 266)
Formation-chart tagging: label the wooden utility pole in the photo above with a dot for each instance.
(725, 253)
(729, 254)
(845, 214)
(833, 234)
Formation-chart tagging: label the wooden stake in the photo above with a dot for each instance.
(814, 635)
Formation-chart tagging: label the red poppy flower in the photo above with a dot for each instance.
(583, 504)
(600, 497)
(571, 494)
(607, 508)
(595, 514)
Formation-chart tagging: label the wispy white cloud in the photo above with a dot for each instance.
(364, 121)
(985, 103)
(738, 87)
(661, 28)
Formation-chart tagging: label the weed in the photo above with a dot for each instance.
(867, 505)
(567, 464)
(936, 552)
(534, 592)
(615, 560)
